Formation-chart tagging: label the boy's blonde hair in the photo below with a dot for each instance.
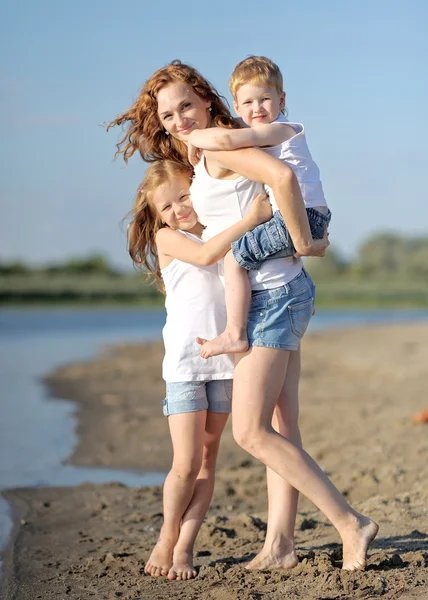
(256, 70)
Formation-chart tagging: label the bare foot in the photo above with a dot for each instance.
(160, 560)
(356, 539)
(225, 343)
(182, 566)
(281, 558)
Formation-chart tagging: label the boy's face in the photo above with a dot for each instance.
(259, 103)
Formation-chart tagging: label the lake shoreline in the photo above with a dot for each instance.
(92, 540)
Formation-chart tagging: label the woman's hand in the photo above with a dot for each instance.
(317, 247)
(193, 154)
(261, 210)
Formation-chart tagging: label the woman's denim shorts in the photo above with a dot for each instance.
(279, 317)
(192, 396)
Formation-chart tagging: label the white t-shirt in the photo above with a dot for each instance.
(220, 203)
(195, 306)
(295, 153)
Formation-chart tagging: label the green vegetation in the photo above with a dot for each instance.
(388, 271)
(91, 280)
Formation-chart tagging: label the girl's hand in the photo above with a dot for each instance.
(193, 154)
(318, 247)
(261, 210)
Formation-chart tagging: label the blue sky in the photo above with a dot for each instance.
(354, 72)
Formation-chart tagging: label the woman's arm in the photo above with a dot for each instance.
(260, 166)
(172, 243)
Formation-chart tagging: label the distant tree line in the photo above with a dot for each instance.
(388, 255)
(95, 264)
(385, 255)
(388, 270)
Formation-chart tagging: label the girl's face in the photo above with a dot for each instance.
(172, 202)
(181, 111)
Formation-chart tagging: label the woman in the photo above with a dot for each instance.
(173, 102)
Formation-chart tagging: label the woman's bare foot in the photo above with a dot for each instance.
(356, 539)
(160, 559)
(225, 343)
(280, 557)
(182, 566)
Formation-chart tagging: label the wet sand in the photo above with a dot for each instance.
(360, 390)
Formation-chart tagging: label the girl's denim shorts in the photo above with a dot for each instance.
(279, 317)
(192, 396)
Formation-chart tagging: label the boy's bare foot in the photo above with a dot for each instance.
(182, 566)
(160, 559)
(225, 343)
(274, 559)
(356, 539)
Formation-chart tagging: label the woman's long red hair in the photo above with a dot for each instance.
(144, 131)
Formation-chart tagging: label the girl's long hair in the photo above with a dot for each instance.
(145, 222)
(144, 131)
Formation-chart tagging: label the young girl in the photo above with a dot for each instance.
(173, 102)
(164, 236)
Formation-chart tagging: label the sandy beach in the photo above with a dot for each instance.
(360, 391)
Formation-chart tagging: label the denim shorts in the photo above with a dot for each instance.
(279, 317)
(272, 239)
(191, 396)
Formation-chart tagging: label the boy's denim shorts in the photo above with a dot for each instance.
(279, 317)
(191, 396)
(272, 239)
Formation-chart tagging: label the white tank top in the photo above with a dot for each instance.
(220, 203)
(295, 153)
(195, 306)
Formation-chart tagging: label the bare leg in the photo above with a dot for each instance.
(278, 550)
(187, 434)
(259, 378)
(238, 296)
(182, 565)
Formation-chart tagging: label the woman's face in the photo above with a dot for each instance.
(181, 111)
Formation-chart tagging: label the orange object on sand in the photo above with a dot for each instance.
(421, 417)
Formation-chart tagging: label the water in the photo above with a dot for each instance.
(37, 433)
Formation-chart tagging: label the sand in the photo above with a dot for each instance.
(359, 393)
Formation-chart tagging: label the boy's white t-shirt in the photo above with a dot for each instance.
(295, 153)
(195, 306)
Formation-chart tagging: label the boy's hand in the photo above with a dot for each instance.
(193, 154)
(318, 247)
(261, 210)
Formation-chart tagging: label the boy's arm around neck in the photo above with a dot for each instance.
(219, 138)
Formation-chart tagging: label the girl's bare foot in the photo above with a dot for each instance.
(225, 343)
(182, 566)
(160, 560)
(271, 559)
(356, 539)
